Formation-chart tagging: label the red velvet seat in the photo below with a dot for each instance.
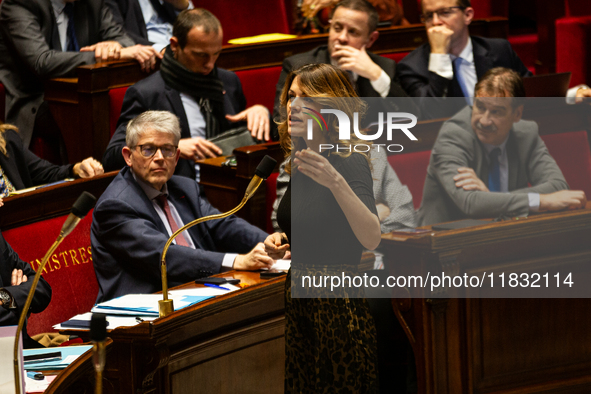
(573, 156)
(69, 271)
(115, 103)
(396, 56)
(259, 85)
(573, 48)
(411, 169)
(248, 18)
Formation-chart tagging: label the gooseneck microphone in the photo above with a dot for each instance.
(262, 172)
(81, 207)
(98, 336)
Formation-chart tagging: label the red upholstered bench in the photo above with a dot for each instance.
(115, 103)
(396, 56)
(259, 84)
(69, 270)
(411, 169)
(573, 48)
(248, 18)
(573, 156)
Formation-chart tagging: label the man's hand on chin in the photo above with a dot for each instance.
(254, 260)
(357, 61)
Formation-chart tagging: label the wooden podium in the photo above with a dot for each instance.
(497, 345)
(229, 344)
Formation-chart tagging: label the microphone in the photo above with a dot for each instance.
(264, 169)
(81, 207)
(98, 335)
(262, 172)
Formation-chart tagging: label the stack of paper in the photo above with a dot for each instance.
(69, 355)
(144, 304)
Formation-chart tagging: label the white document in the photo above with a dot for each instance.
(6, 360)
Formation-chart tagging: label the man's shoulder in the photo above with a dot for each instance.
(316, 55)
(153, 82)
(458, 128)
(419, 55)
(119, 188)
(227, 76)
(490, 44)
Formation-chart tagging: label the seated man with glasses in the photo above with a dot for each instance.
(145, 204)
(451, 63)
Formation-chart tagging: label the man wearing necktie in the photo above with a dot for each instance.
(451, 62)
(485, 158)
(44, 39)
(145, 204)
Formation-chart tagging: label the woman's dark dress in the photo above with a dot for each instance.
(330, 342)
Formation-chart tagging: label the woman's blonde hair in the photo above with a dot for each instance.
(3, 128)
(324, 83)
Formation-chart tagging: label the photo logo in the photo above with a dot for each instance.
(315, 115)
(402, 121)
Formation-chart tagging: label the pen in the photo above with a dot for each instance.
(139, 320)
(216, 286)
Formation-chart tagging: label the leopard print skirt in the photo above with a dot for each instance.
(330, 344)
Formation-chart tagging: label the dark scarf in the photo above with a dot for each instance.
(208, 90)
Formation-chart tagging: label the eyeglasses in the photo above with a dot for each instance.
(442, 13)
(150, 150)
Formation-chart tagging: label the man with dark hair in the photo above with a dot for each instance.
(452, 61)
(16, 278)
(148, 22)
(43, 39)
(207, 99)
(352, 32)
(145, 204)
(485, 158)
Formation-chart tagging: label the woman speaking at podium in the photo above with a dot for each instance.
(328, 216)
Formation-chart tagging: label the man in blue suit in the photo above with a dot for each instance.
(145, 204)
(452, 61)
(208, 100)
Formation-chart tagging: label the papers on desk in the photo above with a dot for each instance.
(144, 304)
(69, 355)
(281, 265)
(113, 321)
(133, 309)
(38, 386)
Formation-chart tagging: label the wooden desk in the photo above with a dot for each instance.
(80, 105)
(392, 40)
(230, 344)
(484, 345)
(50, 202)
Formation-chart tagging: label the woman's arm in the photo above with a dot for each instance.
(363, 222)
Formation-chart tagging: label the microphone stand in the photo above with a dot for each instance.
(165, 305)
(66, 229)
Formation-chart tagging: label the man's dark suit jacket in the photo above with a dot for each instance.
(24, 169)
(31, 53)
(457, 146)
(129, 14)
(152, 93)
(9, 261)
(416, 79)
(320, 55)
(127, 238)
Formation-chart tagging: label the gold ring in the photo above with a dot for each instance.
(313, 6)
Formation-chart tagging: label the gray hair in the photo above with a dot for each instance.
(161, 121)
